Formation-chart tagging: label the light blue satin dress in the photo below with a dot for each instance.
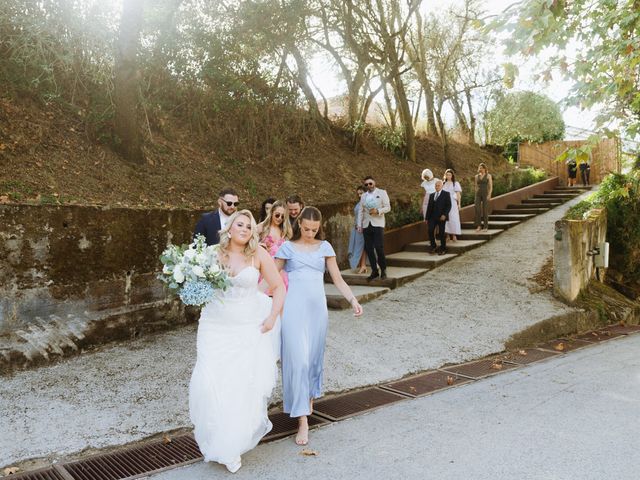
(304, 326)
(356, 239)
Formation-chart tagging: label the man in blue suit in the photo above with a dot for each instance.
(211, 223)
(437, 215)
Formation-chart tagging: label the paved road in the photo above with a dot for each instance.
(573, 417)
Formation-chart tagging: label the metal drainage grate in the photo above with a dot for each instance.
(350, 404)
(425, 383)
(138, 461)
(480, 368)
(528, 355)
(598, 336)
(284, 425)
(49, 473)
(563, 345)
(622, 329)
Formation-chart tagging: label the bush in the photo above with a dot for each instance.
(405, 212)
(620, 195)
(505, 183)
(390, 139)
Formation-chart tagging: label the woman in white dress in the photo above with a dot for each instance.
(453, 227)
(237, 350)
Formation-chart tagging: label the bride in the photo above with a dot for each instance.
(237, 350)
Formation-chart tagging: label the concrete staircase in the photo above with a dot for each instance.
(414, 261)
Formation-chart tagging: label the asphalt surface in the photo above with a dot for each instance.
(575, 416)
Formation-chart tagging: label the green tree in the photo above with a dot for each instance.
(525, 116)
(599, 51)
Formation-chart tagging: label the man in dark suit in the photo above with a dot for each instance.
(437, 215)
(211, 223)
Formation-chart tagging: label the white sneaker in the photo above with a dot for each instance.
(234, 466)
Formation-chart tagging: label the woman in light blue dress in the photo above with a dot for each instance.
(304, 320)
(357, 258)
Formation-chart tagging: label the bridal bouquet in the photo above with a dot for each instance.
(193, 272)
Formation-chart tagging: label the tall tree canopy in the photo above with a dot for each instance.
(600, 50)
(525, 116)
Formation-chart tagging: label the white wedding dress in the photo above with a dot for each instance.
(235, 371)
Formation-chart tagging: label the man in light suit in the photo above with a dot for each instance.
(437, 216)
(211, 223)
(374, 204)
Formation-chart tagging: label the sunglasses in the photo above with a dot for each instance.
(235, 204)
(369, 184)
(278, 215)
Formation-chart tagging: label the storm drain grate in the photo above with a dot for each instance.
(564, 345)
(425, 383)
(480, 368)
(528, 355)
(622, 329)
(598, 336)
(49, 473)
(138, 461)
(349, 404)
(284, 425)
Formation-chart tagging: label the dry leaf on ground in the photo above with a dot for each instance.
(497, 365)
(523, 353)
(10, 470)
(450, 380)
(166, 439)
(309, 453)
(559, 347)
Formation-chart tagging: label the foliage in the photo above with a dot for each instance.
(405, 212)
(525, 116)
(620, 195)
(505, 183)
(391, 139)
(599, 51)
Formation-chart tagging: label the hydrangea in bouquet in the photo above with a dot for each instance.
(193, 271)
(370, 202)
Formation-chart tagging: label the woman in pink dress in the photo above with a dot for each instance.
(274, 231)
(453, 227)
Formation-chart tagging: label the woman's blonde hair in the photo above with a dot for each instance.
(483, 165)
(251, 246)
(285, 228)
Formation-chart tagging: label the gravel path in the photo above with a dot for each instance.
(464, 309)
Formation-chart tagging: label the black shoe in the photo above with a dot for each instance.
(442, 251)
(383, 275)
(373, 276)
(432, 251)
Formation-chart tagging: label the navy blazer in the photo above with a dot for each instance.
(439, 207)
(209, 226)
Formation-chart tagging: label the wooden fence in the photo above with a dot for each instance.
(605, 158)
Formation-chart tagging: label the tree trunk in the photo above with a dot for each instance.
(125, 95)
(444, 138)
(405, 117)
(302, 76)
(472, 118)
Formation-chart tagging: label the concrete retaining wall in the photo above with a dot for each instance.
(573, 265)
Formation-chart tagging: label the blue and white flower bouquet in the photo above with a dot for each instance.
(193, 272)
(370, 202)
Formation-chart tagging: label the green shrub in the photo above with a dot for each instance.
(620, 195)
(405, 212)
(504, 183)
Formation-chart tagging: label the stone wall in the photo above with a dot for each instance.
(573, 262)
(76, 276)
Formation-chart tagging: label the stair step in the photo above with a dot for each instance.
(396, 276)
(459, 246)
(515, 217)
(568, 193)
(418, 259)
(545, 201)
(336, 301)
(471, 234)
(575, 187)
(493, 225)
(524, 209)
(559, 196)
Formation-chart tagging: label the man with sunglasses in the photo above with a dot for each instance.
(375, 203)
(211, 223)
